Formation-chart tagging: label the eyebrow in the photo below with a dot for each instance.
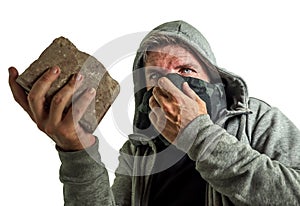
(152, 69)
(186, 66)
(155, 68)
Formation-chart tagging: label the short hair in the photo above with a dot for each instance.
(160, 40)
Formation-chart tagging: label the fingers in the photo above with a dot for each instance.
(17, 91)
(158, 119)
(169, 87)
(79, 107)
(169, 97)
(61, 99)
(161, 113)
(166, 92)
(153, 103)
(36, 96)
(155, 112)
(159, 97)
(189, 92)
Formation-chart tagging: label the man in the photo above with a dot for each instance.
(229, 149)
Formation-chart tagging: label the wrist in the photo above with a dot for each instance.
(79, 144)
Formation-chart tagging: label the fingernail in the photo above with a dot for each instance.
(54, 70)
(78, 77)
(161, 82)
(186, 84)
(91, 90)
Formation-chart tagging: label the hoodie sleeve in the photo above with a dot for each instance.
(86, 180)
(264, 172)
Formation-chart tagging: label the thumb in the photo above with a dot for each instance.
(17, 91)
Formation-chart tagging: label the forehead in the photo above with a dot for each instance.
(172, 54)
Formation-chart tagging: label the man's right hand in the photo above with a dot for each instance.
(63, 129)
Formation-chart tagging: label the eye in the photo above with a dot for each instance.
(185, 71)
(154, 76)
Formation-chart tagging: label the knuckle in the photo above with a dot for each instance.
(40, 126)
(159, 121)
(152, 116)
(72, 82)
(57, 99)
(154, 91)
(77, 111)
(18, 98)
(151, 100)
(200, 101)
(49, 130)
(64, 131)
(45, 78)
(166, 108)
(75, 81)
(87, 97)
(31, 96)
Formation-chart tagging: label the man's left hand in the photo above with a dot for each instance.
(172, 110)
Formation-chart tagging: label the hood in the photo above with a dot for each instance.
(235, 87)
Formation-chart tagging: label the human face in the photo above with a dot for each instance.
(172, 59)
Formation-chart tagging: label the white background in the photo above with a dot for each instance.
(258, 40)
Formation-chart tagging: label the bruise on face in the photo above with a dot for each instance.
(172, 59)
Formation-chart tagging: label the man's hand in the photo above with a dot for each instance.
(172, 110)
(64, 129)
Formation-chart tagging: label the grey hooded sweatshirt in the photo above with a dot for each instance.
(251, 158)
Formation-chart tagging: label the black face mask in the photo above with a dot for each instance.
(212, 94)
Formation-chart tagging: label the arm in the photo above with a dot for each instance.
(84, 177)
(122, 186)
(267, 173)
(239, 171)
(86, 180)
